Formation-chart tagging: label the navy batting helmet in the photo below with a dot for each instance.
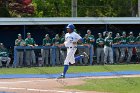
(71, 26)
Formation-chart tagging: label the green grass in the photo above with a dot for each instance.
(114, 85)
(72, 69)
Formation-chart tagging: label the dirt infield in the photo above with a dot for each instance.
(42, 85)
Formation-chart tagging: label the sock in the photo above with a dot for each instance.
(79, 57)
(65, 69)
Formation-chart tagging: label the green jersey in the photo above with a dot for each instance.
(123, 40)
(86, 41)
(20, 42)
(108, 41)
(56, 41)
(99, 41)
(138, 39)
(117, 40)
(62, 40)
(4, 52)
(131, 40)
(91, 37)
(29, 41)
(46, 42)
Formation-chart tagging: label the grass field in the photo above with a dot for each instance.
(72, 69)
(114, 85)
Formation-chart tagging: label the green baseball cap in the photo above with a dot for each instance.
(47, 35)
(124, 33)
(131, 33)
(28, 33)
(19, 35)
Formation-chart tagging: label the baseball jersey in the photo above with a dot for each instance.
(138, 39)
(56, 41)
(91, 37)
(46, 42)
(98, 41)
(4, 52)
(70, 38)
(20, 42)
(29, 41)
(62, 40)
(130, 39)
(108, 41)
(86, 41)
(117, 40)
(123, 40)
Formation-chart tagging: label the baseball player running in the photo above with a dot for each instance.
(71, 39)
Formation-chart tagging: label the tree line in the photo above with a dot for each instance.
(62, 8)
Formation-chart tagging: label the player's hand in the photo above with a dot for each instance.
(60, 45)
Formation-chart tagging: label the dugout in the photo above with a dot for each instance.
(38, 27)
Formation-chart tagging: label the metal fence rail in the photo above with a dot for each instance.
(53, 48)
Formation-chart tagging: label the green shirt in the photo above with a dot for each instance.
(62, 40)
(91, 37)
(131, 39)
(138, 39)
(56, 41)
(46, 42)
(117, 40)
(123, 40)
(29, 41)
(86, 41)
(20, 42)
(108, 41)
(98, 41)
(4, 52)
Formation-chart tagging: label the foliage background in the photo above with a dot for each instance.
(85, 8)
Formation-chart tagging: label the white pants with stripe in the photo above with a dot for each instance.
(70, 56)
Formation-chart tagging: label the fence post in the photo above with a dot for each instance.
(91, 54)
(15, 57)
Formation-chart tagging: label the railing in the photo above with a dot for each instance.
(53, 48)
(126, 45)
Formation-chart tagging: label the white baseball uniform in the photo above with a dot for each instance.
(71, 47)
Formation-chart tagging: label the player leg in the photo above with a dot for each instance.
(69, 59)
(102, 55)
(122, 54)
(110, 55)
(8, 61)
(129, 55)
(98, 55)
(106, 54)
(0, 62)
(86, 58)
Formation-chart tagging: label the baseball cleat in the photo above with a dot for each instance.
(61, 77)
(85, 54)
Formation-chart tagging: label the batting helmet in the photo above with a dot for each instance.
(71, 26)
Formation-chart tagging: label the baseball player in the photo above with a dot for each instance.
(86, 42)
(4, 55)
(138, 48)
(108, 48)
(100, 49)
(56, 41)
(71, 39)
(123, 49)
(30, 54)
(130, 40)
(117, 40)
(20, 42)
(45, 53)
